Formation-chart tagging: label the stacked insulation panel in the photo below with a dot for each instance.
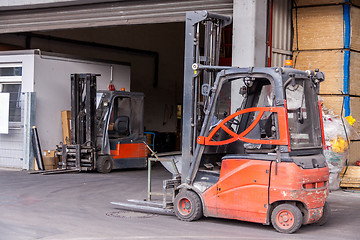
(327, 36)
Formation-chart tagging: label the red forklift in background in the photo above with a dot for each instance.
(252, 146)
(107, 129)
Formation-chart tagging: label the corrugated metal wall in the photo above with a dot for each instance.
(281, 36)
(106, 14)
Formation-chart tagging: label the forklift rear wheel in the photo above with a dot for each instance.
(188, 206)
(286, 218)
(326, 215)
(104, 164)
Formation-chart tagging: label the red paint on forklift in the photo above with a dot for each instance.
(289, 185)
(243, 191)
(129, 150)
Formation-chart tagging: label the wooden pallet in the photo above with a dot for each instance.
(351, 179)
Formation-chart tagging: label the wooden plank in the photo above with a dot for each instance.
(355, 28)
(330, 62)
(318, 28)
(335, 103)
(356, 2)
(301, 3)
(354, 152)
(350, 185)
(355, 111)
(65, 122)
(354, 85)
(323, 27)
(351, 177)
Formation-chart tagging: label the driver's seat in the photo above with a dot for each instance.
(121, 126)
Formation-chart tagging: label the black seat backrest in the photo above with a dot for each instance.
(121, 125)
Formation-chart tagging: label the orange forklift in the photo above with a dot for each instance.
(252, 146)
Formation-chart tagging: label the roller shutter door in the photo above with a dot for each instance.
(106, 14)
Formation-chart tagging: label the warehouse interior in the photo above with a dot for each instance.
(141, 46)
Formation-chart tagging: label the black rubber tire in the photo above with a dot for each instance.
(104, 164)
(187, 206)
(326, 215)
(286, 218)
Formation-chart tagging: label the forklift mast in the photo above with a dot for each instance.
(210, 25)
(83, 109)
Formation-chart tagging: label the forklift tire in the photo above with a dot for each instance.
(326, 215)
(104, 164)
(286, 218)
(188, 206)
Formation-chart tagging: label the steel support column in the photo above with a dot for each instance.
(249, 38)
(249, 33)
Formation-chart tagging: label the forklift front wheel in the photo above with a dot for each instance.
(286, 218)
(188, 206)
(104, 164)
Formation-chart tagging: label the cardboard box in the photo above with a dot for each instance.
(49, 153)
(49, 159)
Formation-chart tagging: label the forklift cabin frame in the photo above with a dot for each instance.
(121, 128)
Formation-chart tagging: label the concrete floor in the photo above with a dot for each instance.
(77, 206)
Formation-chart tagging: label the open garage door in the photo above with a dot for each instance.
(104, 14)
